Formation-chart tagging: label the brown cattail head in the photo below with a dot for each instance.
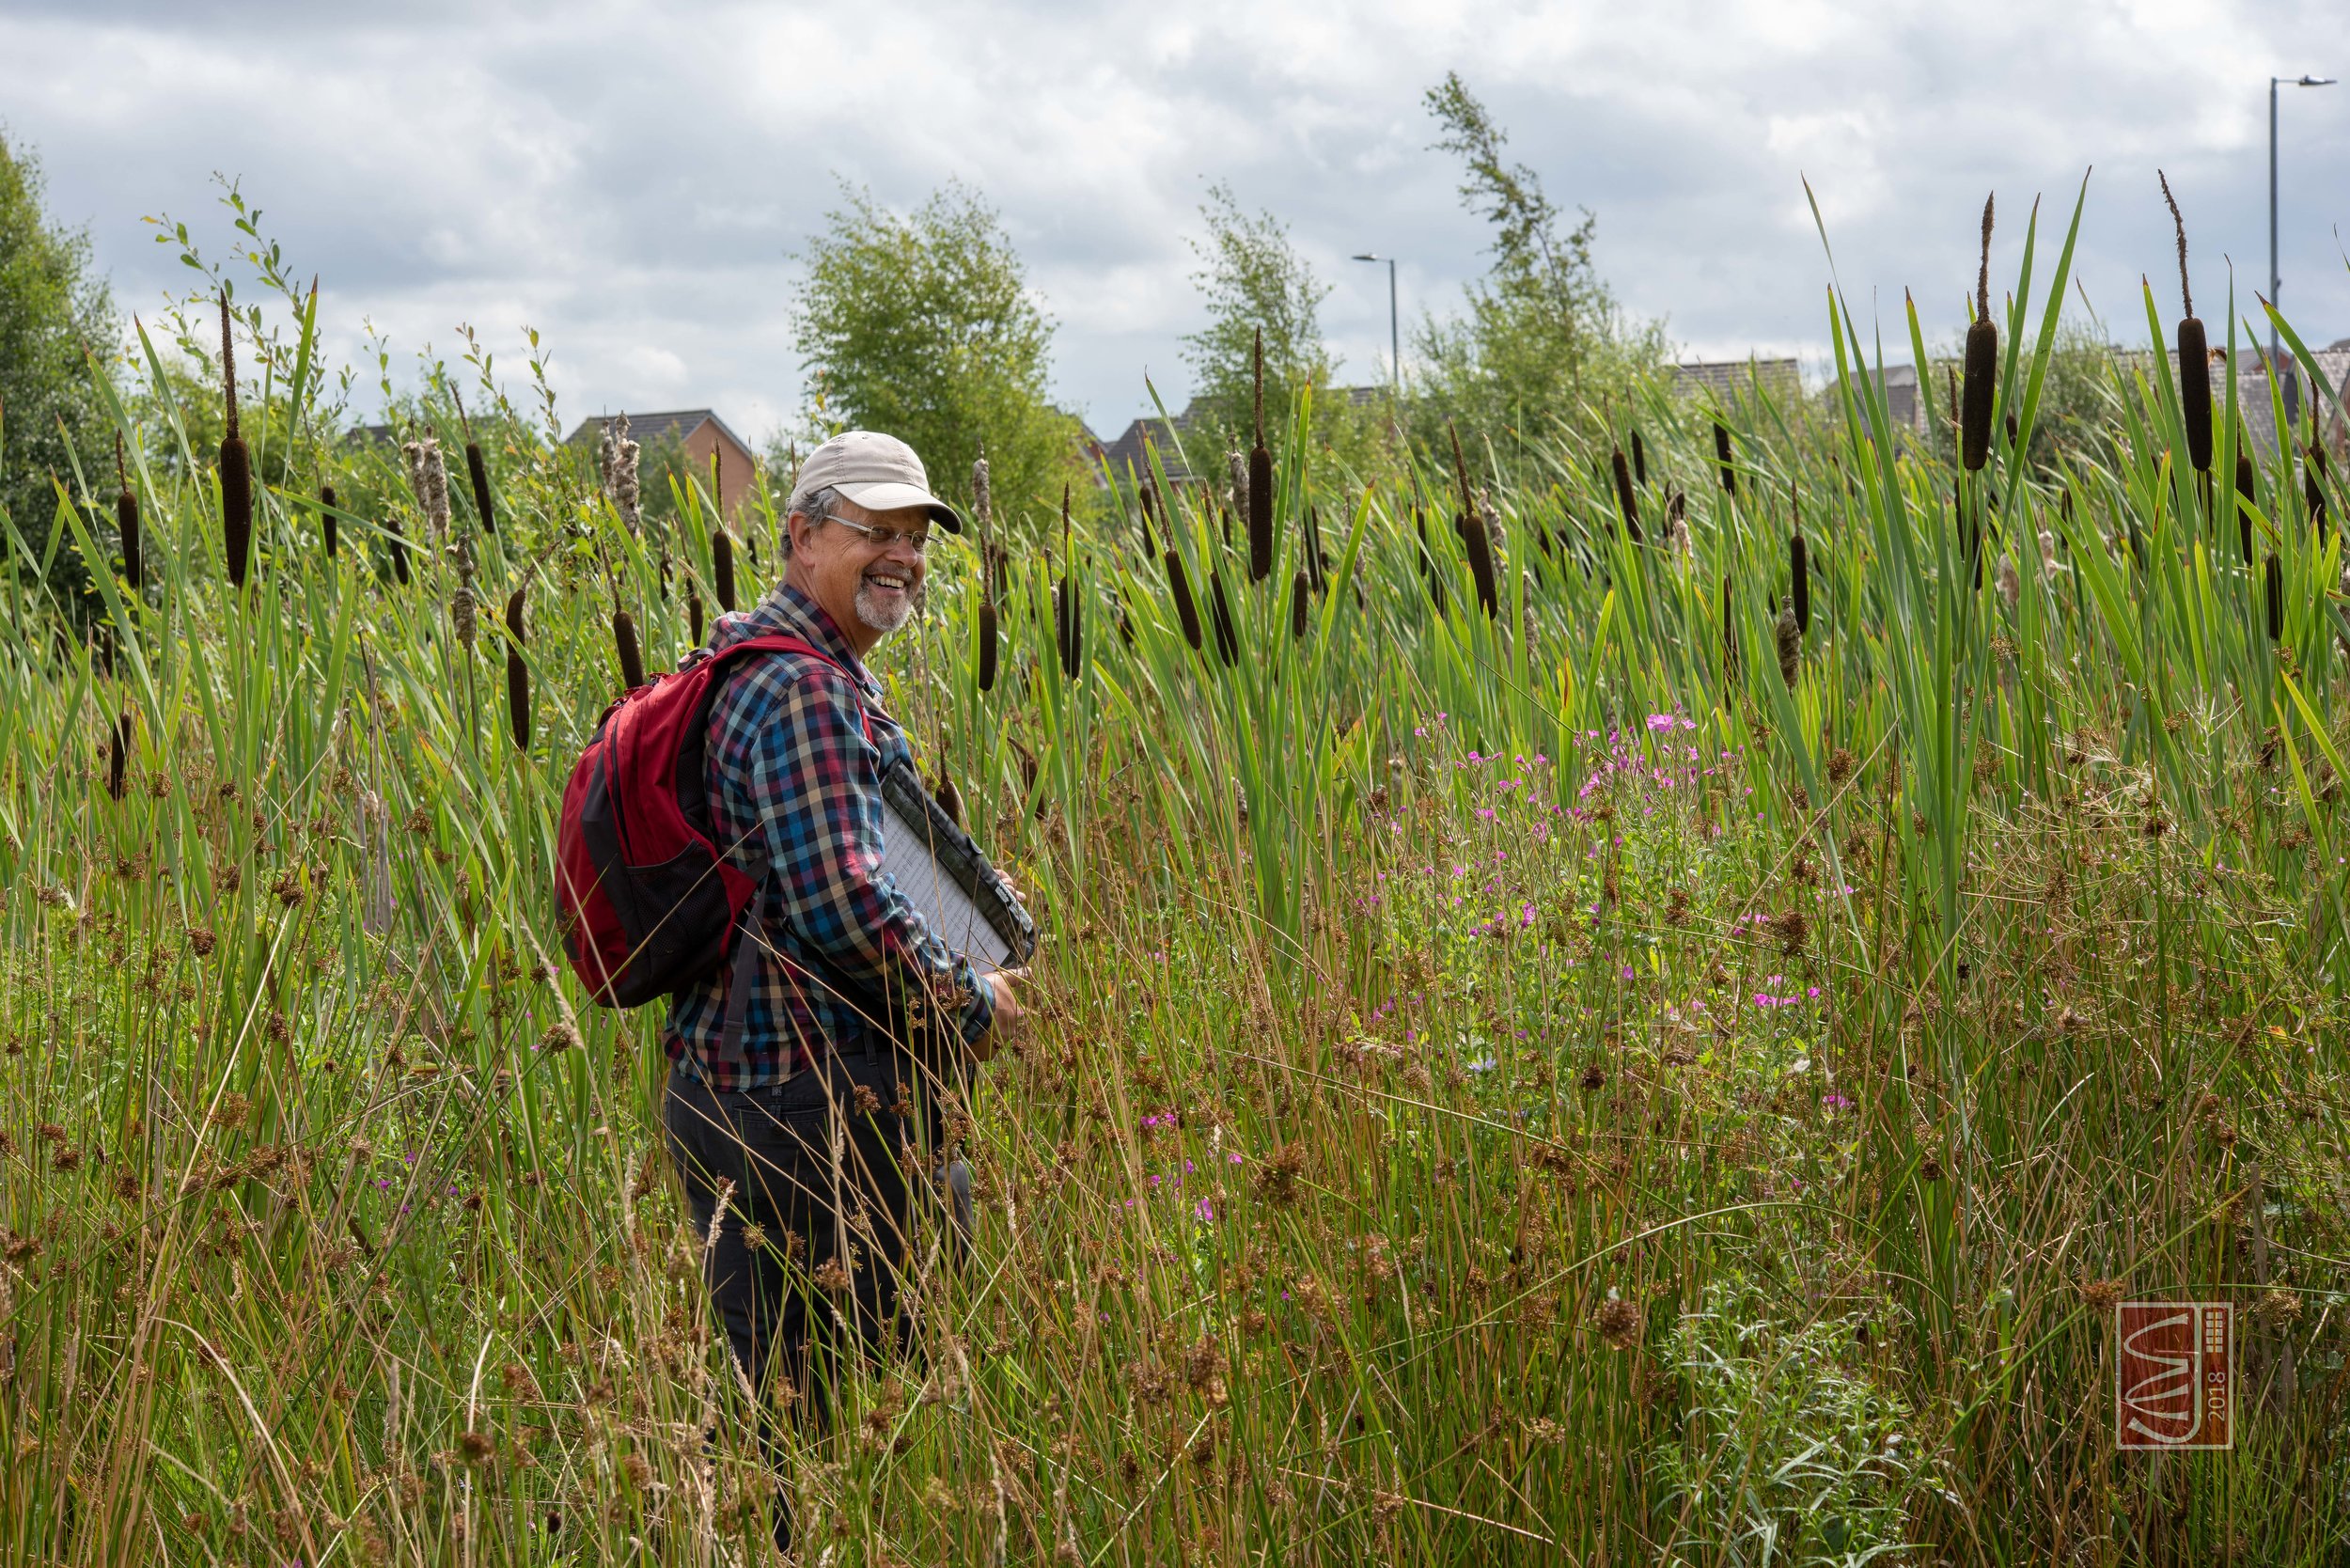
(1301, 591)
(1627, 499)
(722, 567)
(1640, 461)
(624, 643)
(1428, 568)
(1220, 610)
(2194, 353)
(1800, 574)
(1790, 638)
(986, 656)
(2273, 579)
(326, 518)
(478, 472)
(1147, 492)
(119, 755)
(236, 466)
(1068, 627)
(1974, 409)
(1478, 544)
(694, 611)
(1722, 459)
(517, 674)
(1460, 469)
(1186, 611)
(2246, 486)
(127, 523)
(2313, 487)
(1730, 633)
(949, 798)
(1260, 513)
(400, 549)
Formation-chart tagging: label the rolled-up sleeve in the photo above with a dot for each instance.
(815, 780)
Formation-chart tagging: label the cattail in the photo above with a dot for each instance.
(1800, 572)
(1300, 590)
(517, 674)
(236, 466)
(2194, 352)
(1730, 633)
(1220, 608)
(1481, 560)
(462, 613)
(127, 523)
(400, 549)
(1317, 564)
(428, 477)
(1260, 481)
(2275, 583)
(1147, 493)
(2010, 421)
(1721, 458)
(1186, 611)
(478, 472)
(326, 518)
(1790, 638)
(1982, 365)
(625, 642)
(1066, 632)
(722, 567)
(2246, 486)
(1640, 461)
(619, 461)
(2313, 487)
(1428, 565)
(1627, 500)
(987, 645)
(694, 611)
(118, 757)
(949, 798)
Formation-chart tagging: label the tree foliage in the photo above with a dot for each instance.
(54, 313)
(1541, 339)
(922, 325)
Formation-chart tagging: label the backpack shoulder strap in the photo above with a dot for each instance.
(784, 643)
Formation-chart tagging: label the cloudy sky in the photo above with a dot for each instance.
(636, 178)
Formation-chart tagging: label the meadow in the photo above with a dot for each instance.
(1646, 1013)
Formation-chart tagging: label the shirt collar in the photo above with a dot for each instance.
(792, 612)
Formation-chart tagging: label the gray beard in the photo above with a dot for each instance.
(878, 620)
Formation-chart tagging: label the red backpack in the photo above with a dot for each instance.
(649, 901)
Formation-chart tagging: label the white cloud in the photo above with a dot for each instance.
(633, 179)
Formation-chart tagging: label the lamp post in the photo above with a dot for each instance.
(1395, 333)
(2293, 387)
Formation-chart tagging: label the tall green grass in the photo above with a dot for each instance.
(1530, 1086)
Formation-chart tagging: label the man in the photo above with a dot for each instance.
(797, 1115)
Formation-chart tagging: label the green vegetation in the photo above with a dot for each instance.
(1628, 1076)
(54, 313)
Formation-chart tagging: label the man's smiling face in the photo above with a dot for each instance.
(869, 590)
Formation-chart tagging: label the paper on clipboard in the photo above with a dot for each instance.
(949, 912)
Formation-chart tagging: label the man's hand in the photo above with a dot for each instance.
(1010, 1014)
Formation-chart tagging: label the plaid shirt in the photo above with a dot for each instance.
(796, 788)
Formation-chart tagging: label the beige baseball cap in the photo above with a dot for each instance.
(878, 472)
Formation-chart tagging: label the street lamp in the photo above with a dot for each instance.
(2293, 387)
(1395, 333)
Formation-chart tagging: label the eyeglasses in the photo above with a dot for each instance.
(885, 538)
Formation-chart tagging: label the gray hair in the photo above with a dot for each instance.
(812, 503)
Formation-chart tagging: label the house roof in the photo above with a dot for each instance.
(1728, 377)
(647, 430)
(1126, 453)
(2259, 414)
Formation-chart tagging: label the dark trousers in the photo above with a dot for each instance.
(822, 1186)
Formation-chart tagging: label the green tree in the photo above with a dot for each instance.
(1251, 279)
(1542, 342)
(54, 313)
(922, 325)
